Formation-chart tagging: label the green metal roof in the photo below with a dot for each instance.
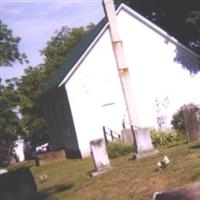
(74, 55)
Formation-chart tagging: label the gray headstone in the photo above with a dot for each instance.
(191, 123)
(127, 136)
(191, 192)
(100, 156)
(144, 146)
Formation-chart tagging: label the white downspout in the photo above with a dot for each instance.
(123, 70)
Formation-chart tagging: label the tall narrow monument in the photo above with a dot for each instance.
(122, 67)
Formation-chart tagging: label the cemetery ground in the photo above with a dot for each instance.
(127, 179)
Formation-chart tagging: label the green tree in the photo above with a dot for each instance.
(9, 47)
(178, 122)
(9, 120)
(30, 89)
(9, 99)
(60, 45)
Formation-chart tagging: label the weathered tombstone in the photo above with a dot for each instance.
(191, 192)
(18, 184)
(191, 123)
(144, 146)
(48, 157)
(18, 149)
(100, 156)
(127, 136)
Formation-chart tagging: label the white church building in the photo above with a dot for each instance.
(86, 94)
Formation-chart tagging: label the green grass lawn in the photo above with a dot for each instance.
(128, 178)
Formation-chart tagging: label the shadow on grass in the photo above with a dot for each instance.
(44, 194)
(195, 146)
(172, 145)
(89, 173)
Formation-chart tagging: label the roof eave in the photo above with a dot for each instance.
(75, 67)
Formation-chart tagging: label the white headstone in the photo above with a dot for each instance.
(19, 149)
(144, 144)
(100, 156)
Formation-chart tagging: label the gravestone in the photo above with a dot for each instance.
(18, 184)
(191, 123)
(190, 192)
(143, 141)
(100, 156)
(18, 149)
(127, 136)
(48, 157)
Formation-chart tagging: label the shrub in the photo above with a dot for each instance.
(4, 154)
(177, 122)
(118, 148)
(165, 138)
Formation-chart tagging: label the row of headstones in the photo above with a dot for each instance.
(143, 143)
(145, 148)
(19, 184)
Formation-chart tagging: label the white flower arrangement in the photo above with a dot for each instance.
(163, 163)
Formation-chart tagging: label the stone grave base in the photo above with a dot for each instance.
(99, 172)
(190, 192)
(145, 154)
(44, 158)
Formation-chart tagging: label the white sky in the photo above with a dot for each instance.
(35, 21)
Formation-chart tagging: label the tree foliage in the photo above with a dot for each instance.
(9, 120)
(178, 122)
(9, 47)
(60, 45)
(9, 99)
(30, 88)
(180, 18)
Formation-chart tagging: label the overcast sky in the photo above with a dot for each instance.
(35, 21)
